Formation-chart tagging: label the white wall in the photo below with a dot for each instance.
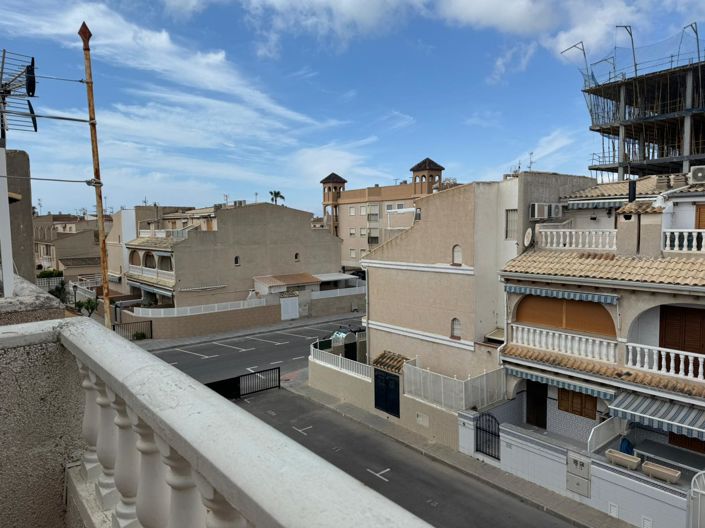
(582, 219)
(564, 423)
(645, 329)
(681, 215)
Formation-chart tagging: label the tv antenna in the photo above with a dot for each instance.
(531, 160)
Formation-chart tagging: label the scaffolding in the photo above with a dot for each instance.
(648, 105)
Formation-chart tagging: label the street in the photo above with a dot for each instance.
(221, 359)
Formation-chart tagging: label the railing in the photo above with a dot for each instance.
(199, 309)
(134, 331)
(603, 433)
(164, 450)
(76, 292)
(591, 239)
(49, 283)
(163, 233)
(150, 272)
(685, 240)
(46, 262)
(666, 361)
(577, 345)
(89, 281)
(339, 362)
(343, 292)
(245, 384)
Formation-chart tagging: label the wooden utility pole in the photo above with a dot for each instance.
(86, 35)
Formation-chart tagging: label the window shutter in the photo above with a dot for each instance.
(589, 407)
(564, 400)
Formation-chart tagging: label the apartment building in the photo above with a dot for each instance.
(366, 218)
(236, 254)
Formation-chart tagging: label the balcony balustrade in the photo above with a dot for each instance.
(684, 240)
(151, 272)
(578, 345)
(677, 363)
(589, 239)
(164, 233)
(161, 449)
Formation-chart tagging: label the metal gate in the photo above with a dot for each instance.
(387, 392)
(696, 503)
(487, 435)
(289, 308)
(240, 386)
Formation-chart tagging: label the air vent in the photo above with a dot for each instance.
(543, 211)
(697, 174)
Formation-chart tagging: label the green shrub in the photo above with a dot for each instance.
(50, 273)
(139, 336)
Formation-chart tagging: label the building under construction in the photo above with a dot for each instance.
(650, 114)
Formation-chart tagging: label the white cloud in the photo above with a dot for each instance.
(303, 73)
(514, 59)
(394, 120)
(484, 119)
(520, 17)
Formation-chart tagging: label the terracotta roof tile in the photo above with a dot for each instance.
(639, 208)
(390, 362)
(644, 186)
(687, 271)
(426, 164)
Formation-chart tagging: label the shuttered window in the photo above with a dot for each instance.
(511, 219)
(581, 316)
(682, 329)
(577, 403)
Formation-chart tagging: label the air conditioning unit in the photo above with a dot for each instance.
(697, 174)
(556, 211)
(539, 211)
(239, 203)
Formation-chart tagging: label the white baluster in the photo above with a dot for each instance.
(629, 356)
(106, 446)
(186, 509)
(153, 492)
(220, 513)
(664, 364)
(682, 365)
(700, 369)
(126, 466)
(90, 468)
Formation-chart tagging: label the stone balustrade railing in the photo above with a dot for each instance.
(684, 240)
(151, 272)
(589, 239)
(578, 345)
(686, 365)
(164, 451)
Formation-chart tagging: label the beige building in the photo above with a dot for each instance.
(223, 258)
(367, 218)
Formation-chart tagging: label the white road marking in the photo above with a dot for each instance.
(271, 413)
(379, 475)
(432, 503)
(267, 341)
(195, 353)
(231, 346)
(337, 449)
(297, 335)
(246, 400)
(302, 430)
(276, 362)
(174, 363)
(249, 369)
(298, 357)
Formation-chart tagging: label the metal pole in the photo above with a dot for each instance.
(8, 276)
(86, 35)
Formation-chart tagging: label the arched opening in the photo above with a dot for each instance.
(580, 316)
(457, 255)
(135, 258)
(236, 261)
(165, 263)
(455, 328)
(149, 260)
(296, 257)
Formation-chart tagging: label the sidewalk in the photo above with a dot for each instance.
(564, 508)
(163, 344)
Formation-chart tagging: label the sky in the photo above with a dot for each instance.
(198, 99)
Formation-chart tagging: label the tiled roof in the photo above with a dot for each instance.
(644, 186)
(80, 261)
(606, 370)
(390, 361)
(694, 188)
(334, 178)
(152, 243)
(427, 164)
(639, 208)
(293, 279)
(686, 271)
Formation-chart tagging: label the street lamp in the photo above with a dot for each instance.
(75, 289)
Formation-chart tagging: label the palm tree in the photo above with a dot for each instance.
(276, 196)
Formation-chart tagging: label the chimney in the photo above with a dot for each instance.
(680, 180)
(632, 191)
(662, 183)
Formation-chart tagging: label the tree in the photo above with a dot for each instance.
(90, 305)
(276, 196)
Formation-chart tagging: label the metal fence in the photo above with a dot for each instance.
(200, 309)
(134, 331)
(454, 394)
(49, 283)
(245, 384)
(339, 362)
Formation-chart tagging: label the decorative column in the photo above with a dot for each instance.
(220, 513)
(106, 447)
(185, 509)
(90, 468)
(152, 505)
(126, 466)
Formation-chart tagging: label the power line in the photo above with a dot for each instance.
(61, 180)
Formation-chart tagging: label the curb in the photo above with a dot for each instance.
(522, 498)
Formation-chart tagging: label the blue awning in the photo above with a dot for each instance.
(604, 298)
(561, 383)
(597, 204)
(679, 418)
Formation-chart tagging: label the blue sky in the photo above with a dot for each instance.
(201, 98)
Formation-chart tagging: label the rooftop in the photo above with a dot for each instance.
(426, 164)
(334, 178)
(152, 242)
(292, 279)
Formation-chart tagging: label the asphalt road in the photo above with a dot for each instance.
(216, 360)
(435, 492)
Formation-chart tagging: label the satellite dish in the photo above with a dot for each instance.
(528, 236)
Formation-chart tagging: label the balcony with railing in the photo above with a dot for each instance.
(684, 241)
(159, 448)
(165, 233)
(151, 273)
(577, 239)
(564, 342)
(666, 361)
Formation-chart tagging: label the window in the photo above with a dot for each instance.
(236, 261)
(150, 261)
(577, 403)
(363, 231)
(363, 252)
(455, 328)
(686, 442)
(400, 206)
(352, 210)
(511, 219)
(457, 256)
(296, 257)
(363, 210)
(390, 207)
(352, 253)
(352, 232)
